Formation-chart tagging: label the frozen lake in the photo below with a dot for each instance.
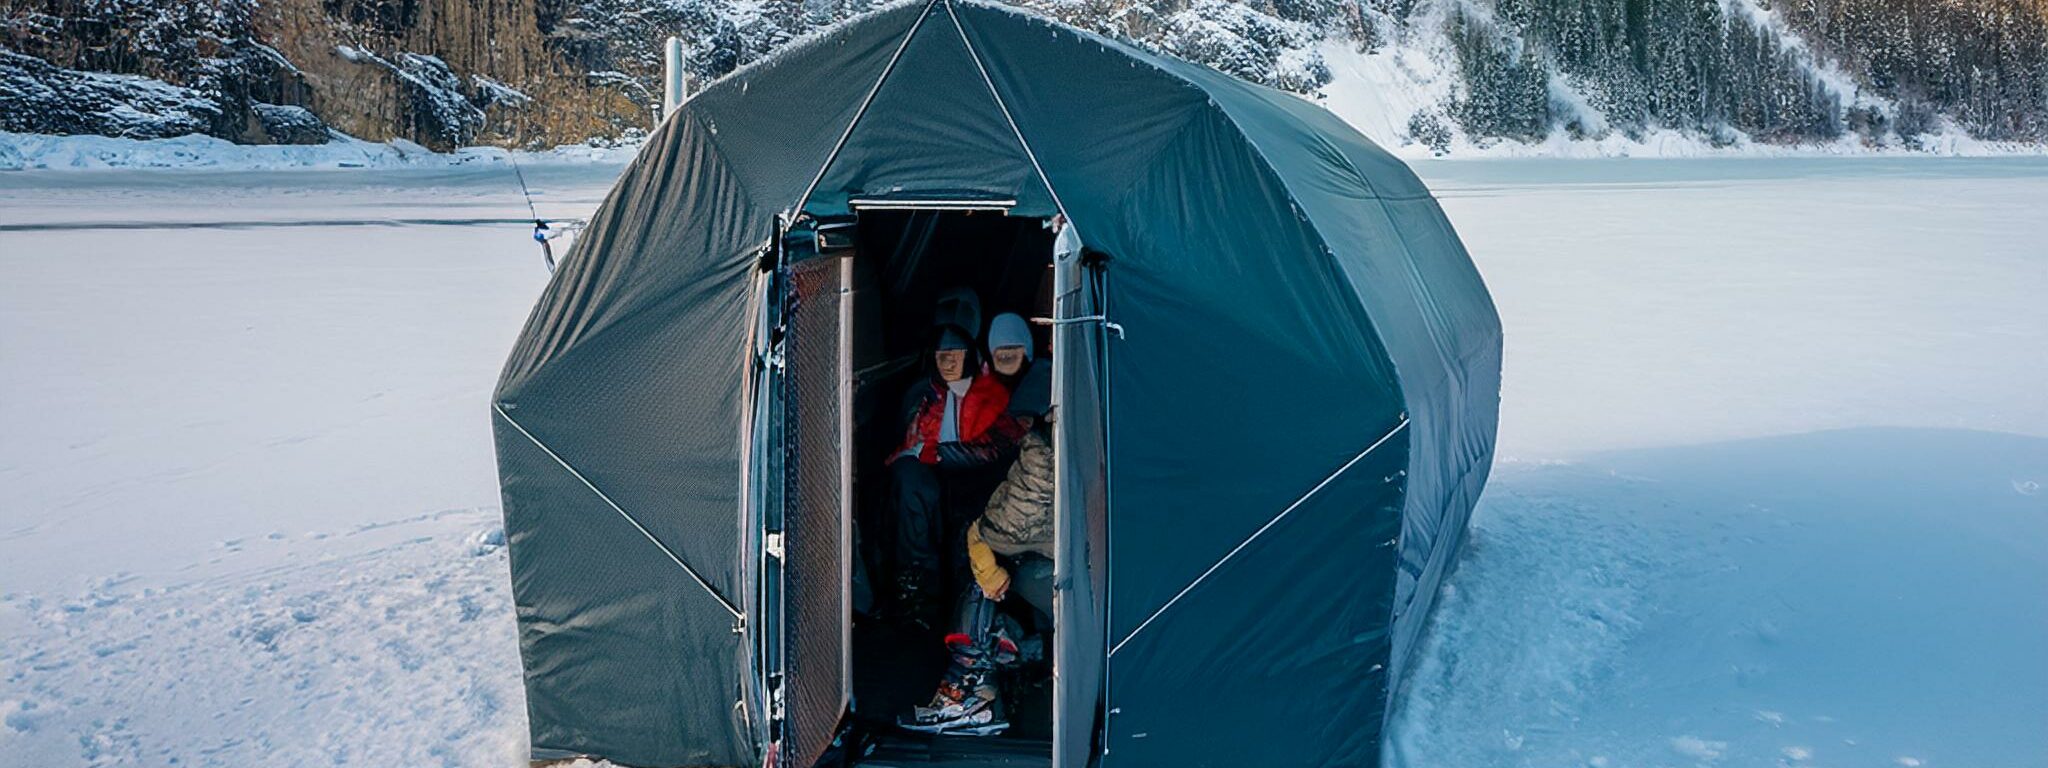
(1773, 453)
(1651, 303)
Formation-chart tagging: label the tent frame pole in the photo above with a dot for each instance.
(753, 702)
(1100, 273)
(1063, 267)
(846, 447)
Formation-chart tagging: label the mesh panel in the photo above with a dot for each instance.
(815, 607)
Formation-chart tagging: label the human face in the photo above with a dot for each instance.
(1007, 360)
(952, 363)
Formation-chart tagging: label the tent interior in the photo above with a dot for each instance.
(902, 262)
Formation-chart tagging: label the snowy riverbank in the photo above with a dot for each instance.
(25, 151)
(1376, 93)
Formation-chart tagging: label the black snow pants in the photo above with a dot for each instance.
(932, 507)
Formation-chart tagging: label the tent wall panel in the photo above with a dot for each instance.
(1436, 321)
(1249, 367)
(1279, 657)
(619, 643)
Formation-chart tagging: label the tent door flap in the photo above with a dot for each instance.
(803, 481)
(1081, 498)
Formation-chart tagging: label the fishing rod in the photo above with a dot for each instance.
(541, 233)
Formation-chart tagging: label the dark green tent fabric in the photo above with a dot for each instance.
(1292, 430)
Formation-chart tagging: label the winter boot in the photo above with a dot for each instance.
(967, 702)
(959, 712)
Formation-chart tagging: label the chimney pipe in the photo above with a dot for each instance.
(674, 80)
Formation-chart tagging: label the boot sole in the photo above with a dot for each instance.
(986, 729)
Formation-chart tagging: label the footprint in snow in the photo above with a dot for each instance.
(22, 715)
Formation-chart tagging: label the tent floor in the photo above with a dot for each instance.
(912, 750)
(895, 667)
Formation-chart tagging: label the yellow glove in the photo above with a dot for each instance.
(994, 581)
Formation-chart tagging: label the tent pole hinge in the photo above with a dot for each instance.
(774, 354)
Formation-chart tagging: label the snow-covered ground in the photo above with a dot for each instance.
(1774, 488)
(1773, 453)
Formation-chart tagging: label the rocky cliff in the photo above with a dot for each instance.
(444, 73)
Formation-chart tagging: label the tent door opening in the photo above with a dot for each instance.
(850, 322)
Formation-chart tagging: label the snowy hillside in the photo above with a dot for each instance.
(1771, 491)
(1470, 76)
(1471, 79)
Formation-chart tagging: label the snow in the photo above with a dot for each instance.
(354, 54)
(1685, 301)
(391, 655)
(499, 93)
(257, 352)
(1769, 494)
(27, 151)
(1768, 430)
(1377, 92)
(1877, 589)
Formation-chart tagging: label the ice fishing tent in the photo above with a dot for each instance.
(1278, 374)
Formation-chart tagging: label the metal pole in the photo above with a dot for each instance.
(673, 78)
(846, 446)
(1066, 251)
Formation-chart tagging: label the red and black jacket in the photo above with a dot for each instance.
(987, 432)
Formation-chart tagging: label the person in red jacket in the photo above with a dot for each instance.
(957, 432)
